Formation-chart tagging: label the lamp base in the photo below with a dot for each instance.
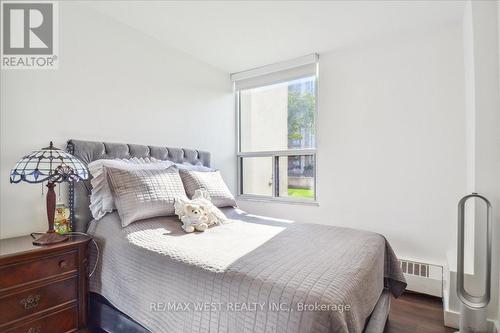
(50, 238)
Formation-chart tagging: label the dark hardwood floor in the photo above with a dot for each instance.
(416, 313)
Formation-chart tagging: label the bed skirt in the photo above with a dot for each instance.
(104, 317)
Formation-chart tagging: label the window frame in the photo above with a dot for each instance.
(275, 154)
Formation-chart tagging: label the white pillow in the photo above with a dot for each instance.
(101, 198)
(145, 193)
(194, 167)
(212, 182)
(186, 165)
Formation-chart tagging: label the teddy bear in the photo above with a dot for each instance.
(194, 218)
(215, 216)
(198, 213)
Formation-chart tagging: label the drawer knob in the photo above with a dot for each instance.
(63, 264)
(30, 302)
(33, 330)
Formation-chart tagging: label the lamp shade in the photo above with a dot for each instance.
(49, 164)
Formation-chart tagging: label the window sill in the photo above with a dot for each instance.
(259, 198)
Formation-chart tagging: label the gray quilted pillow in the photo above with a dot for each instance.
(101, 198)
(212, 182)
(145, 193)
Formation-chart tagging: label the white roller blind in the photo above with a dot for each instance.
(275, 73)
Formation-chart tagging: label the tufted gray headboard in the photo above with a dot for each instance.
(88, 151)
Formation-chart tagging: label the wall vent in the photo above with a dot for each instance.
(414, 268)
(423, 277)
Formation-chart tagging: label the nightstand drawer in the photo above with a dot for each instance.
(43, 289)
(58, 322)
(30, 301)
(16, 274)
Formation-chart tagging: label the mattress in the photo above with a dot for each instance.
(254, 274)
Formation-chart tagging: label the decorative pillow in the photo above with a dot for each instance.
(193, 167)
(101, 198)
(201, 198)
(144, 193)
(183, 166)
(212, 182)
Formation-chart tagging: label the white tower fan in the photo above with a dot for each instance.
(473, 309)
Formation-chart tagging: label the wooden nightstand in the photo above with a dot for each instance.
(43, 289)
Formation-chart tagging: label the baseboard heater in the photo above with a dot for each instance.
(422, 277)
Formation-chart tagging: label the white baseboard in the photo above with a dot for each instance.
(452, 318)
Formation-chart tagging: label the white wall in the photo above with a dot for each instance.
(486, 134)
(114, 84)
(496, 258)
(391, 137)
(481, 64)
(391, 142)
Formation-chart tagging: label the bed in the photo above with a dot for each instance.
(255, 274)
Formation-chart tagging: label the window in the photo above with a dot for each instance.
(276, 107)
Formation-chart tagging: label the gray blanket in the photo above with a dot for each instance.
(255, 274)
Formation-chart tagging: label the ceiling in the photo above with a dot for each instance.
(239, 35)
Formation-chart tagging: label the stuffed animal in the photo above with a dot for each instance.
(215, 216)
(194, 218)
(199, 213)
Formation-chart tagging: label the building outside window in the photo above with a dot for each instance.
(277, 113)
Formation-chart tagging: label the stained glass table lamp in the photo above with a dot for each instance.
(51, 165)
